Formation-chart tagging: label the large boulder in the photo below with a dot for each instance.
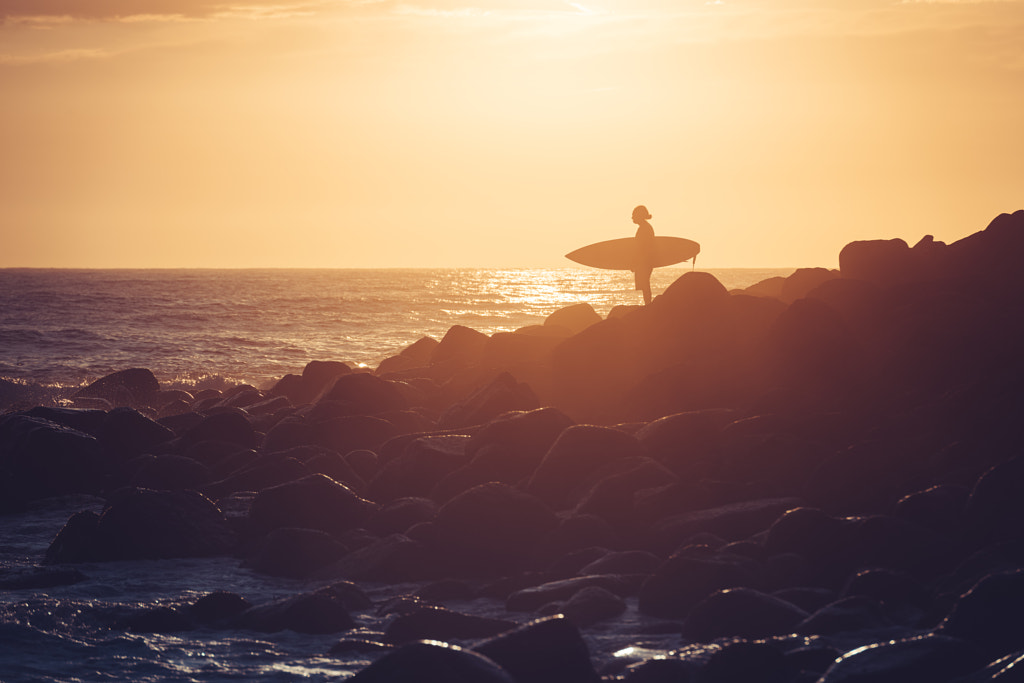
(492, 527)
(39, 459)
(741, 612)
(422, 463)
(361, 393)
(127, 433)
(296, 553)
(320, 612)
(140, 524)
(134, 387)
(502, 395)
(991, 614)
(578, 453)
(313, 502)
(549, 650)
(575, 318)
(461, 345)
(939, 659)
(683, 581)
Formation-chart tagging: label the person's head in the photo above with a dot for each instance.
(641, 213)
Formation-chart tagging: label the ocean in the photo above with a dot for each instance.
(60, 329)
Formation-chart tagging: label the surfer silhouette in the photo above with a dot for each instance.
(644, 252)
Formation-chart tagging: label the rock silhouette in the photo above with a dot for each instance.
(836, 455)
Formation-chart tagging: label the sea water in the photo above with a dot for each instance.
(65, 328)
(60, 329)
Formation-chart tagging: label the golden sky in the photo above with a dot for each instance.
(372, 133)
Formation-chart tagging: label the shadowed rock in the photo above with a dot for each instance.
(313, 502)
(432, 662)
(133, 387)
(548, 650)
(741, 612)
(926, 658)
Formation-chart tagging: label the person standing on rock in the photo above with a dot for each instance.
(644, 252)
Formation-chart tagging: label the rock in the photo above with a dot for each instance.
(745, 661)
(320, 374)
(395, 558)
(685, 442)
(938, 508)
(231, 427)
(529, 433)
(926, 658)
(530, 599)
(159, 620)
(353, 433)
(141, 524)
(423, 463)
(575, 318)
(681, 582)
(492, 527)
(289, 433)
(492, 463)
(313, 502)
(263, 472)
(592, 604)
(502, 395)
(438, 623)
(579, 451)
(809, 532)
(315, 613)
(40, 459)
(624, 562)
(994, 501)
(989, 615)
(741, 612)
(883, 262)
(613, 496)
(218, 608)
(361, 393)
(731, 522)
(848, 615)
(548, 650)
(803, 281)
(518, 353)
(460, 344)
(398, 515)
(133, 387)
(432, 662)
(87, 421)
(295, 553)
(592, 369)
(169, 473)
(128, 433)
(576, 532)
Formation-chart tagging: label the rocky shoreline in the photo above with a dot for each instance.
(817, 478)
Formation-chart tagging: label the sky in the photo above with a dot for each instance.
(499, 133)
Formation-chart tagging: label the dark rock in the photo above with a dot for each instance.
(989, 615)
(994, 501)
(529, 433)
(40, 459)
(260, 473)
(808, 532)
(313, 502)
(437, 623)
(529, 599)
(169, 473)
(686, 442)
(460, 344)
(364, 394)
(681, 582)
(938, 508)
(394, 559)
(422, 464)
(398, 515)
(624, 562)
(548, 650)
(575, 318)
(141, 524)
(353, 433)
(319, 374)
(847, 615)
(807, 598)
(592, 604)
(82, 420)
(491, 463)
(333, 465)
(289, 433)
(613, 496)
(346, 647)
(492, 526)
(745, 661)
(589, 367)
(815, 658)
(938, 659)
(295, 553)
(741, 612)
(132, 387)
(731, 522)
(231, 427)
(576, 532)
(883, 262)
(432, 662)
(502, 395)
(803, 281)
(313, 613)
(218, 607)
(578, 452)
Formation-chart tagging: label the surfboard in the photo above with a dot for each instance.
(621, 254)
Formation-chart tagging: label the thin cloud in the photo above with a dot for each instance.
(121, 10)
